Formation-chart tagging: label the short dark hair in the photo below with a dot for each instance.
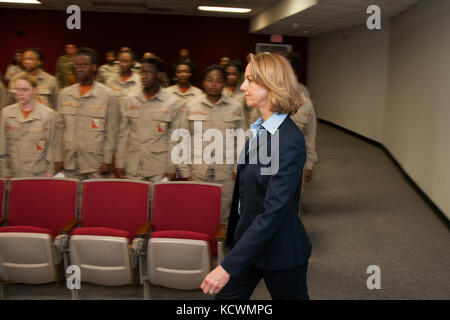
(234, 63)
(154, 61)
(182, 63)
(37, 51)
(131, 52)
(212, 68)
(91, 53)
(113, 52)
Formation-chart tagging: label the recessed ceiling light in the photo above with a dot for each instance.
(224, 9)
(21, 1)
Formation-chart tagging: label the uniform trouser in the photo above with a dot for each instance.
(282, 285)
(227, 192)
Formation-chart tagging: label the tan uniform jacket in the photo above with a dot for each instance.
(305, 118)
(122, 88)
(190, 93)
(46, 89)
(106, 72)
(2, 94)
(11, 71)
(145, 131)
(225, 114)
(89, 127)
(27, 146)
(251, 114)
(304, 90)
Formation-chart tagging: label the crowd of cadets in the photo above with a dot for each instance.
(117, 120)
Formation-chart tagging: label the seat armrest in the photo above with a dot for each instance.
(69, 226)
(221, 233)
(144, 229)
(2, 221)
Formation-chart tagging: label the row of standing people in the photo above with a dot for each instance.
(131, 122)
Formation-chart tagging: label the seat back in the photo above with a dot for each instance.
(115, 203)
(37, 209)
(42, 202)
(187, 206)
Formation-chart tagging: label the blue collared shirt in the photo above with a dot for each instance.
(271, 125)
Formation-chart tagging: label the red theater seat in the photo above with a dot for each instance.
(38, 208)
(114, 215)
(185, 234)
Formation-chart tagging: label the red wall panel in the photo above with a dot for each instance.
(207, 38)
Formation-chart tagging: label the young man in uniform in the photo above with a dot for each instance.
(126, 81)
(27, 134)
(233, 70)
(183, 89)
(90, 120)
(46, 84)
(223, 114)
(64, 67)
(147, 121)
(108, 70)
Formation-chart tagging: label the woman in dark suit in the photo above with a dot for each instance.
(266, 237)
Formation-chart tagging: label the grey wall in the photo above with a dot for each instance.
(393, 86)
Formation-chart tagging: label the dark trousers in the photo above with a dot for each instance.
(282, 285)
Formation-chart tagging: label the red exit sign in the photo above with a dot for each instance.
(276, 38)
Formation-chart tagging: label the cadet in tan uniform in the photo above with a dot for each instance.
(305, 118)
(233, 71)
(147, 120)
(15, 67)
(27, 134)
(164, 82)
(46, 84)
(183, 89)
(213, 111)
(110, 69)
(90, 122)
(126, 81)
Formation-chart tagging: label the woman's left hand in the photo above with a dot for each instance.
(215, 281)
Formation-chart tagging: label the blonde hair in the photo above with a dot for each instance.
(275, 73)
(31, 79)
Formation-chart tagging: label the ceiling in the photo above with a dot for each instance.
(304, 18)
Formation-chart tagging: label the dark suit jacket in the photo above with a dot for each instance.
(268, 233)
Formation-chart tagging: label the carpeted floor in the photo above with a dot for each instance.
(358, 211)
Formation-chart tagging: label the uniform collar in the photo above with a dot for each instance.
(223, 100)
(133, 78)
(91, 93)
(189, 90)
(34, 114)
(160, 95)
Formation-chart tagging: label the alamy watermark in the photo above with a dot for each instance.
(73, 281)
(191, 150)
(74, 20)
(374, 21)
(374, 281)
